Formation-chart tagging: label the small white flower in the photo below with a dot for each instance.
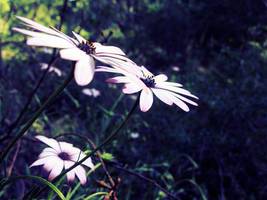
(91, 92)
(62, 155)
(140, 79)
(80, 50)
(52, 68)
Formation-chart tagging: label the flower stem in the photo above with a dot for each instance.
(114, 133)
(36, 115)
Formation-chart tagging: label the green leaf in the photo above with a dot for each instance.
(95, 194)
(49, 184)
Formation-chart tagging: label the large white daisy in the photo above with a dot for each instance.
(80, 50)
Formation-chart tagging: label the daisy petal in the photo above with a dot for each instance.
(36, 25)
(48, 152)
(119, 79)
(71, 173)
(177, 90)
(162, 95)
(185, 99)
(130, 88)
(146, 100)
(49, 41)
(145, 71)
(106, 69)
(56, 170)
(84, 70)
(170, 84)
(53, 160)
(108, 49)
(65, 147)
(81, 174)
(72, 54)
(179, 103)
(88, 162)
(49, 141)
(79, 38)
(160, 78)
(40, 161)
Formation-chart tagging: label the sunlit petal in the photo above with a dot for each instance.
(71, 173)
(179, 103)
(185, 99)
(146, 100)
(84, 70)
(49, 141)
(119, 79)
(48, 152)
(160, 78)
(130, 88)
(72, 54)
(79, 38)
(56, 170)
(107, 49)
(81, 174)
(162, 95)
(49, 41)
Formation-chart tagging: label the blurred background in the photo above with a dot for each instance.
(216, 49)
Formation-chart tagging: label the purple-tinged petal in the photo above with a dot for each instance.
(56, 170)
(88, 162)
(146, 100)
(49, 141)
(71, 173)
(84, 70)
(53, 160)
(81, 174)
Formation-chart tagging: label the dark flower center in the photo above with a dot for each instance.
(88, 48)
(64, 156)
(149, 81)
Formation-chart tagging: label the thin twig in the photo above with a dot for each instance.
(14, 158)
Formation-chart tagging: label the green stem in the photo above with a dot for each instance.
(36, 115)
(114, 133)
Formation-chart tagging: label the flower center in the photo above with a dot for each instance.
(64, 156)
(88, 48)
(149, 81)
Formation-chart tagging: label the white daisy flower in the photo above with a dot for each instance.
(140, 79)
(81, 50)
(61, 155)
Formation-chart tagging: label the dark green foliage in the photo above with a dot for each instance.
(217, 149)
